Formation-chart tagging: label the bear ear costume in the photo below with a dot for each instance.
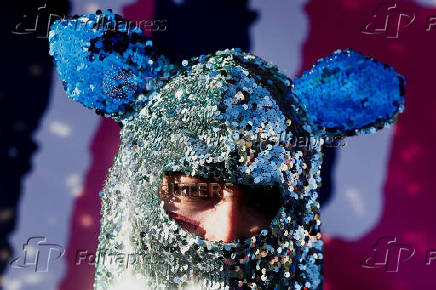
(348, 93)
(107, 64)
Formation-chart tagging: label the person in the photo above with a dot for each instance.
(209, 187)
(218, 211)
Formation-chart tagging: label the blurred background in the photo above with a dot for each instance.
(377, 200)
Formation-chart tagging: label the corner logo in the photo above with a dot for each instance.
(388, 20)
(388, 254)
(38, 254)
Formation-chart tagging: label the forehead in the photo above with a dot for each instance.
(180, 177)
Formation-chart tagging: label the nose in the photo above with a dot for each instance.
(223, 222)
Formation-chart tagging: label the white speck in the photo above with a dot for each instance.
(356, 201)
(33, 278)
(60, 129)
(75, 92)
(179, 94)
(128, 281)
(91, 7)
(74, 183)
(12, 284)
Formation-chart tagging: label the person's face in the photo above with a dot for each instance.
(216, 210)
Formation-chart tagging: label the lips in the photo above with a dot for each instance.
(187, 224)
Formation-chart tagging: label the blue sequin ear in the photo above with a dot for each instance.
(107, 63)
(348, 93)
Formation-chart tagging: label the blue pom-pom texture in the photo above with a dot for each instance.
(349, 93)
(107, 64)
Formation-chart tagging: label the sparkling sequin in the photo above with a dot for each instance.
(365, 91)
(113, 66)
(228, 116)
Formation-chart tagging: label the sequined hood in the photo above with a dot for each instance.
(230, 116)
